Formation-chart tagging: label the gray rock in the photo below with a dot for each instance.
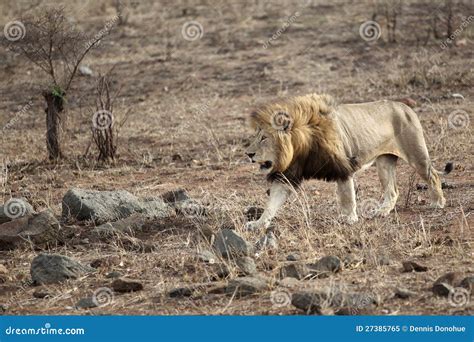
(123, 285)
(128, 225)
(175, 196)
(230, 244)
(445, 284)
(113, 275)
(40, 229)
(412, 266)
(15, 208)
(181, 292)
(268, 241)
(294, 270)
(313, 301)
(245, 286)
(84, 70)
(207, 256)
(467, 283)
(289, 282)
(293, 257)
(105, 206)
(247, 265)
(86, 303)
(54, 268)
(325, 266)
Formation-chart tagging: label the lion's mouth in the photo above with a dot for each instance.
(266, 165)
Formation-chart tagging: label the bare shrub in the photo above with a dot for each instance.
(51, 43)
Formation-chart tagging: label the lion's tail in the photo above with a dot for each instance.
(447, 169)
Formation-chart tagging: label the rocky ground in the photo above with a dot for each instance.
(160, 230)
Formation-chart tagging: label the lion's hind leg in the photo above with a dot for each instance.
(386, 169)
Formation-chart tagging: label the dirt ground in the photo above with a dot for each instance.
(188, 102)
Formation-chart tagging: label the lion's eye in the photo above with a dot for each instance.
(263, 139)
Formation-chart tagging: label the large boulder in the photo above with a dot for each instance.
(15, 208)
(42, 228)
(105, 206)
(54, 268)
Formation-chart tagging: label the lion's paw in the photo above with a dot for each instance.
(350, 219)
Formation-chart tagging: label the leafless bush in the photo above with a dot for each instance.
(51, 43)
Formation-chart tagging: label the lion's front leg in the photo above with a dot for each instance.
(347, 200)
(279, 193)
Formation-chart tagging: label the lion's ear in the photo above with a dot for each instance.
(282, 121)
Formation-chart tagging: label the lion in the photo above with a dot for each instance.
(310, 137)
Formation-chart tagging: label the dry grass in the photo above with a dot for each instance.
(188, 103)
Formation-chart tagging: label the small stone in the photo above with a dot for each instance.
(253, 213)
(84, 70)
(289, 282)
(309, 302)
(247, 285)
(325, 266)
(86, 303)
(293, 257)
(41, 229)
(113, 275)
(268, 241)
(229, 244)
(123, 285)
(403, 293)
(181, 292)
(41, 294)
(445, 284)
(247, 265)
(412, 266)
(207, 256)
(54, 268)
(107, 261)
(294, 270)
(467, 283)
(174, 196)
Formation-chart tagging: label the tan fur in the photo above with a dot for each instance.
(331, 142)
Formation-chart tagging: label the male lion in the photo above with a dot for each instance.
(309, 137)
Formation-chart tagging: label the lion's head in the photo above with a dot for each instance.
(285, 130)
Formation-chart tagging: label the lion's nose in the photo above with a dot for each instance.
(251, 155)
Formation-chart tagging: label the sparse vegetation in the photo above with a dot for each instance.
(189, 101)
